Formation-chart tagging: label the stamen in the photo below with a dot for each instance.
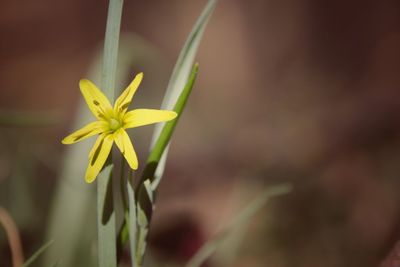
(101, 115)
(125, 106)
(124, 96)
(101, 109)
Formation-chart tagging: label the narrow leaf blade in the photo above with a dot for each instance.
(210, 247)
(37, 253)
(107, 254)
(181, 74)
(132, 218)
(166, 133)
(147, 185)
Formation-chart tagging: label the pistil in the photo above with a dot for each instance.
(114, 124)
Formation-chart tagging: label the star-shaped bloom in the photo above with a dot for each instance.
(111, 125)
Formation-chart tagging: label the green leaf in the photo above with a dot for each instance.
(209, 248)
(37, 254)
(177, 93)
(110, 54)
(180, 75)
(106, 219)
(143, 228)
(147, 185)
(107, 253)
(167, 131)
(73, 205)
(132, 222)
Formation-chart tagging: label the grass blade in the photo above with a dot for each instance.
(177, 93)
(72, 205)
(210, 247)
(143, 228)
(37, 254)
(110, 53)
(132, 222)
(180, 74)
(183, 66)
(107, 253)
(166, 133)
(147, 183)
(106, 220)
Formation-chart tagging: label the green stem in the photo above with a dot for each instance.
(123, 183)
(110, 53)
(154, 158)
(107, 255)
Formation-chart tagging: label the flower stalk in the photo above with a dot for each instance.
(107, 255)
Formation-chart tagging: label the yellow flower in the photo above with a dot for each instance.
(111, 124)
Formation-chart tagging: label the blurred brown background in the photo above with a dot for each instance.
(300, 91)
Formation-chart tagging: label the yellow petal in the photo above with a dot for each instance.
(87, 131)
(95, 99)
(123, 101)
(140, 117)
(96, 144)
(99, 156)
(125, 146)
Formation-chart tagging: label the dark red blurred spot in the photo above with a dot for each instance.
(178, 240)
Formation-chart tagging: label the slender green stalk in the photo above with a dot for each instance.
(123, 183)
(131, 220)
(168, 129)
(242, 218)
(107, 254)
(37, 254)
(180, 76)
(143, 201)
(178, 91)
(110, 53)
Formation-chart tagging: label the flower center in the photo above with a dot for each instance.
(114, 124)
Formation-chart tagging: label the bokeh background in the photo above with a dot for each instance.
(305, 92)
